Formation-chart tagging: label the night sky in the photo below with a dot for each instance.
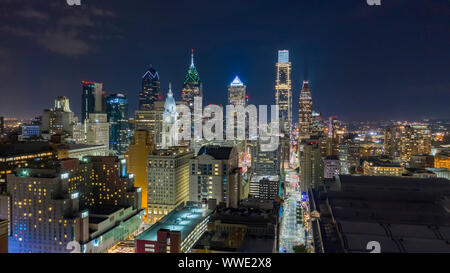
(364, 62)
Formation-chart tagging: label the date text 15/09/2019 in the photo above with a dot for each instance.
(226, 263)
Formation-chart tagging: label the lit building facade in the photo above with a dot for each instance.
(349, 154)
(404, 141)
(117, 112)
(442, 160)
(264, 162)
(30, 131)
(20, 155)
(140, 148)
(151, 90)
(211, 174)
(283, 87)
(168, 180)
(151, 121)
(97, 132)
(379, 168)
(92, 202)
(265, 187)
(331, 166)
(59, 120)
(311, 164)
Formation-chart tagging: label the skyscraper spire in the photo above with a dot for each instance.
(192, 58)
(170, 88)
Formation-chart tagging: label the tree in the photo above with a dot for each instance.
(300, 249)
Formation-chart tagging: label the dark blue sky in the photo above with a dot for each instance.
(364, 62)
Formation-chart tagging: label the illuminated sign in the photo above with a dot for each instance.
(85, 214)
(75, 195)
(303, 197)
(64, 175)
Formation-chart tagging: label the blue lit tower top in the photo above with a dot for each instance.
(237, 82)
(283, 56)
(151, 90)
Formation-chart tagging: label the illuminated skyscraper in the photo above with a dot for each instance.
(236, 93)
(283, 96)
(305, 111)
(192, 86)
(117, 111)
(151, 90)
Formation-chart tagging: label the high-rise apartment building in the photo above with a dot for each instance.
(117, 112)
(168, 180)
(151, 90)
(404, 141)
(283, 87)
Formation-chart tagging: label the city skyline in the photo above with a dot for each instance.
(224, 127)
(347, 79)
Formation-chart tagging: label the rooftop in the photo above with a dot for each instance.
(184, 219)
(403, 214)
(218, 152)
(24, 148)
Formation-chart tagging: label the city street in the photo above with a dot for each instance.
(291, 233)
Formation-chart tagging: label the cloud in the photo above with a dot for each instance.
(77, 21)
(66, 43)
(102, 12)
(68, 31)
(16, 31)
(33, 14)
